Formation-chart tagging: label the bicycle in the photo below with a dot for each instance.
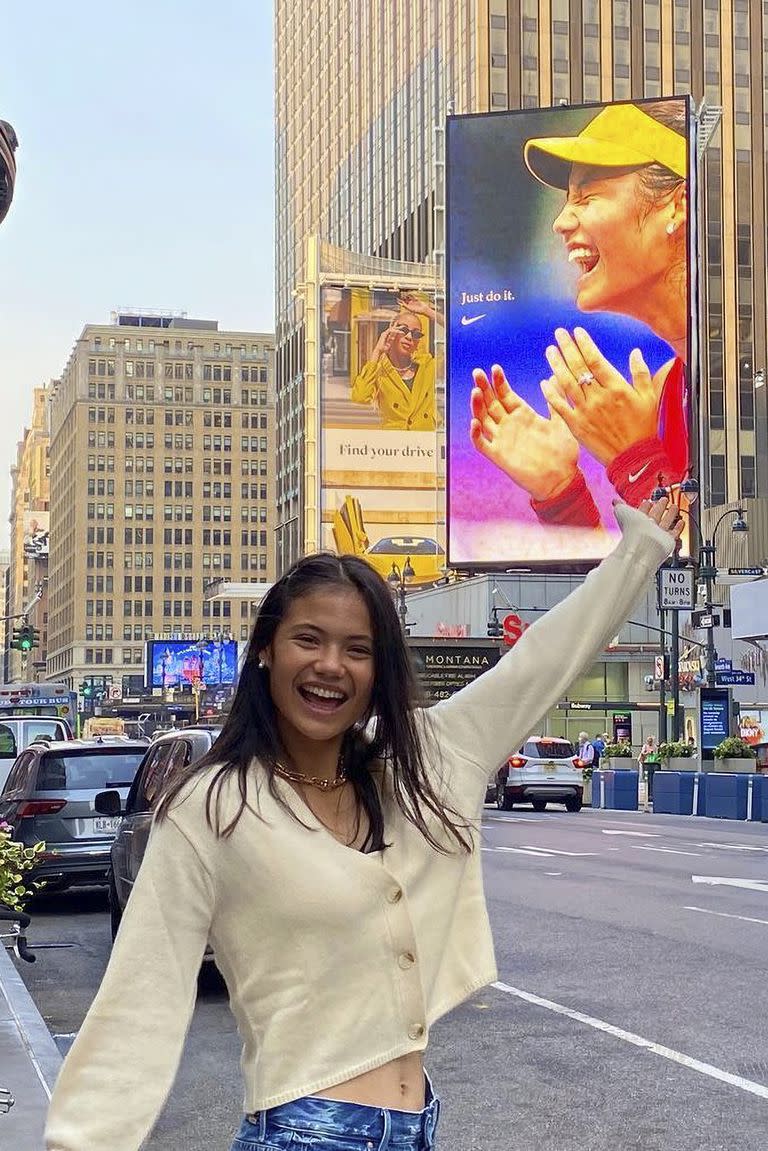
(17, 936)
(15, 941)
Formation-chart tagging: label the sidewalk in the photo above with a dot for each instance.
(29, 1062)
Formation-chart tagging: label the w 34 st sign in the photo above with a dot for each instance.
(676, 591)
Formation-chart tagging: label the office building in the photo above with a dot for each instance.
(28, 558)
(162, 457)
(362, 91)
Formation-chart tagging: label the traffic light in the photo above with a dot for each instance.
(495, 629)
(25, 638)
(86, 689)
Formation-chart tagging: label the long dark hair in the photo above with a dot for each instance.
(250, 732)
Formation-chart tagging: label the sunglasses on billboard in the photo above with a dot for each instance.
(414, 333)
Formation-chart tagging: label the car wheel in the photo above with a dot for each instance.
(573, 804)
(115, 914)
(539, 804)
(503, 802)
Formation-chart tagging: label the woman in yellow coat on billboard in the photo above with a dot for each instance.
(399, 379)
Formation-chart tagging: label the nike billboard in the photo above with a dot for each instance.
(572, 351)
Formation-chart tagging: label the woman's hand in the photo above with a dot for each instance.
(605, 413)
(665, 513)
(537, 453)
(411, 303)
(384, 342)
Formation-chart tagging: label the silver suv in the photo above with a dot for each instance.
(545, 770)
(49, 795)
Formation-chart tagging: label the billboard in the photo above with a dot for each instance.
(379, 428)
(35, 538)
(180, 663)
(571, 325)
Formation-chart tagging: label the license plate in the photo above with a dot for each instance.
(106, 824)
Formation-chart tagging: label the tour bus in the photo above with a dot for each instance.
(30, 711)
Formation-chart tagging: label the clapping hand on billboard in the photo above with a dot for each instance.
(538, 452)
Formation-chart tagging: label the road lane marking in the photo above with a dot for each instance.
(733, 846)
(720, 881)
(666, 850)
(638, 834)
(692, 1064)
(523, 851)
(727, 915)
(557, 851)
(515, 819)
(553, 873)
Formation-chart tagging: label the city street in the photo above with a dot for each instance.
(630, 1010)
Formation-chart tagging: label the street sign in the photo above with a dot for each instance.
(723, 665)
(115, 691)
(660, 667)
(735, 678)
(704, 619)
(746, 571)
(676, 589)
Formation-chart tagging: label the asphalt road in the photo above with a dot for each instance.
(630, 1012)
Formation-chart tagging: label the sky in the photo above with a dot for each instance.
(145, 177)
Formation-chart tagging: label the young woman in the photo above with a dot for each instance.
(623, 226)
(328, 849)
(399, 378)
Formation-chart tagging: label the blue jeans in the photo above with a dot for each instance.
(317, 1124)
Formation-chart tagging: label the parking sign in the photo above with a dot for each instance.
(676, 589)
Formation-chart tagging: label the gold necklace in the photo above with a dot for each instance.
(313, 780)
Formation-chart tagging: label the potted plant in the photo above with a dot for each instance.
(734, 755)
(617, 756)
(15, 859)
(677, 755)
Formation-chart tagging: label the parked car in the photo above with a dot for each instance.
(546, 770)
(17, 732)
(49, 796)
(169, 753)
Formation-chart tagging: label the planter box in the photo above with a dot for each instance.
(682, 763)
(586, 798)
(615, 763)
(732, 766)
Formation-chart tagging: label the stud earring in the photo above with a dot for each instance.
(262, 664)
(670, 228)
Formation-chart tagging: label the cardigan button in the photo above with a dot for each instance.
(406, 960)
(416, 1030)
(395, 895)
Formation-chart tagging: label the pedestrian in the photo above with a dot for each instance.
(648, 758)
(328, 848)
(586, 750)
(598, 745)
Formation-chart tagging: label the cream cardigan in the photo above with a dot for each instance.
(336, 961)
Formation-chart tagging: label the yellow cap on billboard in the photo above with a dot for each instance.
(620, 136)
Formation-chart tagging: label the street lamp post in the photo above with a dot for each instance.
(399, 580)
(708, 569)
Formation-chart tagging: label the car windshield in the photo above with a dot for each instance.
(88, 771)
(554, 749)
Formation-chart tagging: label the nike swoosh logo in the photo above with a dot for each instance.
(633, 476)
(466, 320)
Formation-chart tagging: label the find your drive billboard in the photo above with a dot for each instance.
(571, 325)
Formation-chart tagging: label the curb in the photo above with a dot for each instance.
(31, 1060)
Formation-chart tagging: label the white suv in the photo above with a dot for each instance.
(545, 770)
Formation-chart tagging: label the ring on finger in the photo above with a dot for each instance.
(586, 378)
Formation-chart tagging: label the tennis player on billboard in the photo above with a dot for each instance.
(622, 225)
